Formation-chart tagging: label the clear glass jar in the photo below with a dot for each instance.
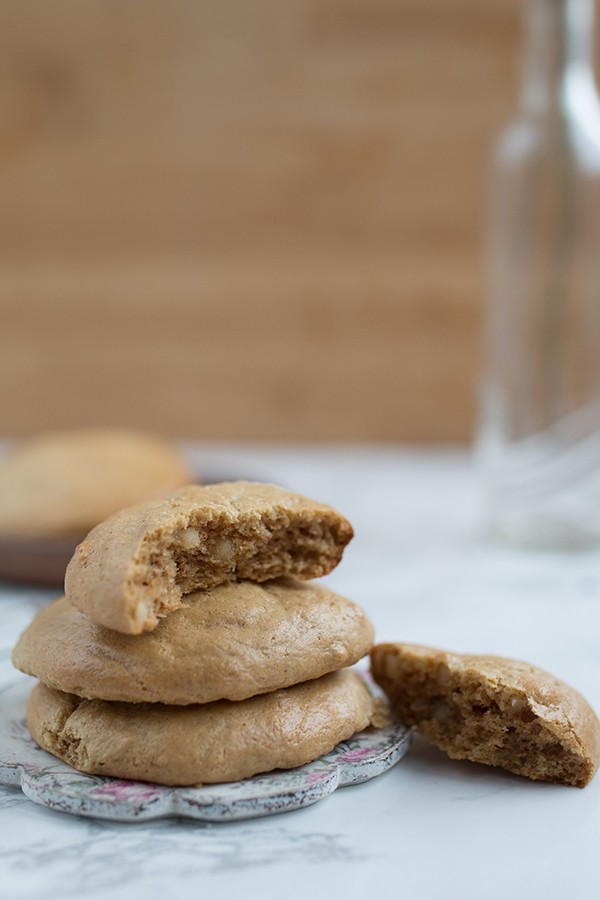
(539, 440)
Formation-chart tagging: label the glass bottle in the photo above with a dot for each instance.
(539, 440)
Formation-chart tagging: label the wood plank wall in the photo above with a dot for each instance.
(247, 219)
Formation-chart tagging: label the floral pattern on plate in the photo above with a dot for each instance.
(52, 783)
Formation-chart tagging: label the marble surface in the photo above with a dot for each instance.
(424, 568)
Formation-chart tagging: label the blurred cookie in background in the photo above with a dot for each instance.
(55, 487)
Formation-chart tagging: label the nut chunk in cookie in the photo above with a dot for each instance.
(492, 710)
(139, 564)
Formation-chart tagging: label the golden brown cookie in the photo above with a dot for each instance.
(64, 483)
(232, 642)
(208, 743)
(492, 710)
(136, 566)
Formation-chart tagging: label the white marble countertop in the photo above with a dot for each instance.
(425, 571)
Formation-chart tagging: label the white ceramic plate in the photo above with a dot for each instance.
(50, 782)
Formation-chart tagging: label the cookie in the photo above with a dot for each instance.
(209, 743)
(231, 642)
(64, 483)
(135, 567)
(491, 710)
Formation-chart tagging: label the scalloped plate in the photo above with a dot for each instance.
(50, 782)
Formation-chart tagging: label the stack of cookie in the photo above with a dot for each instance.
(192, 645)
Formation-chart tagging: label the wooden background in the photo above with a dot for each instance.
(255, 219)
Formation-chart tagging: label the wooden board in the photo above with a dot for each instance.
(247, 220)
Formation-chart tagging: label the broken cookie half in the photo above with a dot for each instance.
(139, 564)
(491, 710)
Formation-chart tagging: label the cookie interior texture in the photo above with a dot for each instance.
(138, 565)
(212, 743)
(492, 710)
(64, 483)
(231, 642)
